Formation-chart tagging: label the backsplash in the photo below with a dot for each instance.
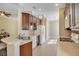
(24, 34)
(10, 26)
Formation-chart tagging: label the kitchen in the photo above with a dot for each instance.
(26, 27)
(69, 31)
(22, 34)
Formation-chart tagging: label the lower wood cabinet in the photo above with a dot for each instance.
(26, 49)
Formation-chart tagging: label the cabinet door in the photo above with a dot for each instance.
(67, 16)
(31, 20)
(38, 22)
(76, 14)
(72, 15)
(26, 49)
(34, 23)
(67, 22)
(25, 21)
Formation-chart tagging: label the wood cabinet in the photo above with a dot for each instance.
(43, 22)
(67, 16)
(34, 23)
(66, 11)
(29, 20)
(25, 21)
(38, 21)
(26, 49)
(70, 17)
(72, 14)
(76, 12)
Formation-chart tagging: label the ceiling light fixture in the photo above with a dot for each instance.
(3, 13)
(56, 4)
(39, 9)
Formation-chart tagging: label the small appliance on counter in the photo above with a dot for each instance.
(24, 35)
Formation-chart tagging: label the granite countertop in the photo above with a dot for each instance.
(13, 45)
(10, 40)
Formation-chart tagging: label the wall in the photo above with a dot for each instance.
(9, 25)
(53, 29)
(47, 30)
(19, 19)
(62, 32)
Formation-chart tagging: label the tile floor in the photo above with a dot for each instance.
(47, 49)
(68, 49)
(51, 48)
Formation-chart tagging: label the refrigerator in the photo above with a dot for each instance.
(42, 34)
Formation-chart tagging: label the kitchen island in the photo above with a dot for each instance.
(18, 47)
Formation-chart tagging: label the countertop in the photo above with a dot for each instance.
(13, 45)
(10, 40)
(68, 49)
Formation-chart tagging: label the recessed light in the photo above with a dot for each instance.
(56, 4)
(39, 9)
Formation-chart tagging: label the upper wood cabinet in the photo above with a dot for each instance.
(34, 23)
(25, 21)
(71, 15)
(67, 16)
(29, 20)
(76, 14)
(66, 11)
(38, 21)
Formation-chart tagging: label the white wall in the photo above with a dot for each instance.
(47, 30)
(53, 29)
(53, 24)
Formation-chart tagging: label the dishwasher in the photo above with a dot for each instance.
(3, 49)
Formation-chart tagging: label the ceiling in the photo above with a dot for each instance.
(48, 10)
